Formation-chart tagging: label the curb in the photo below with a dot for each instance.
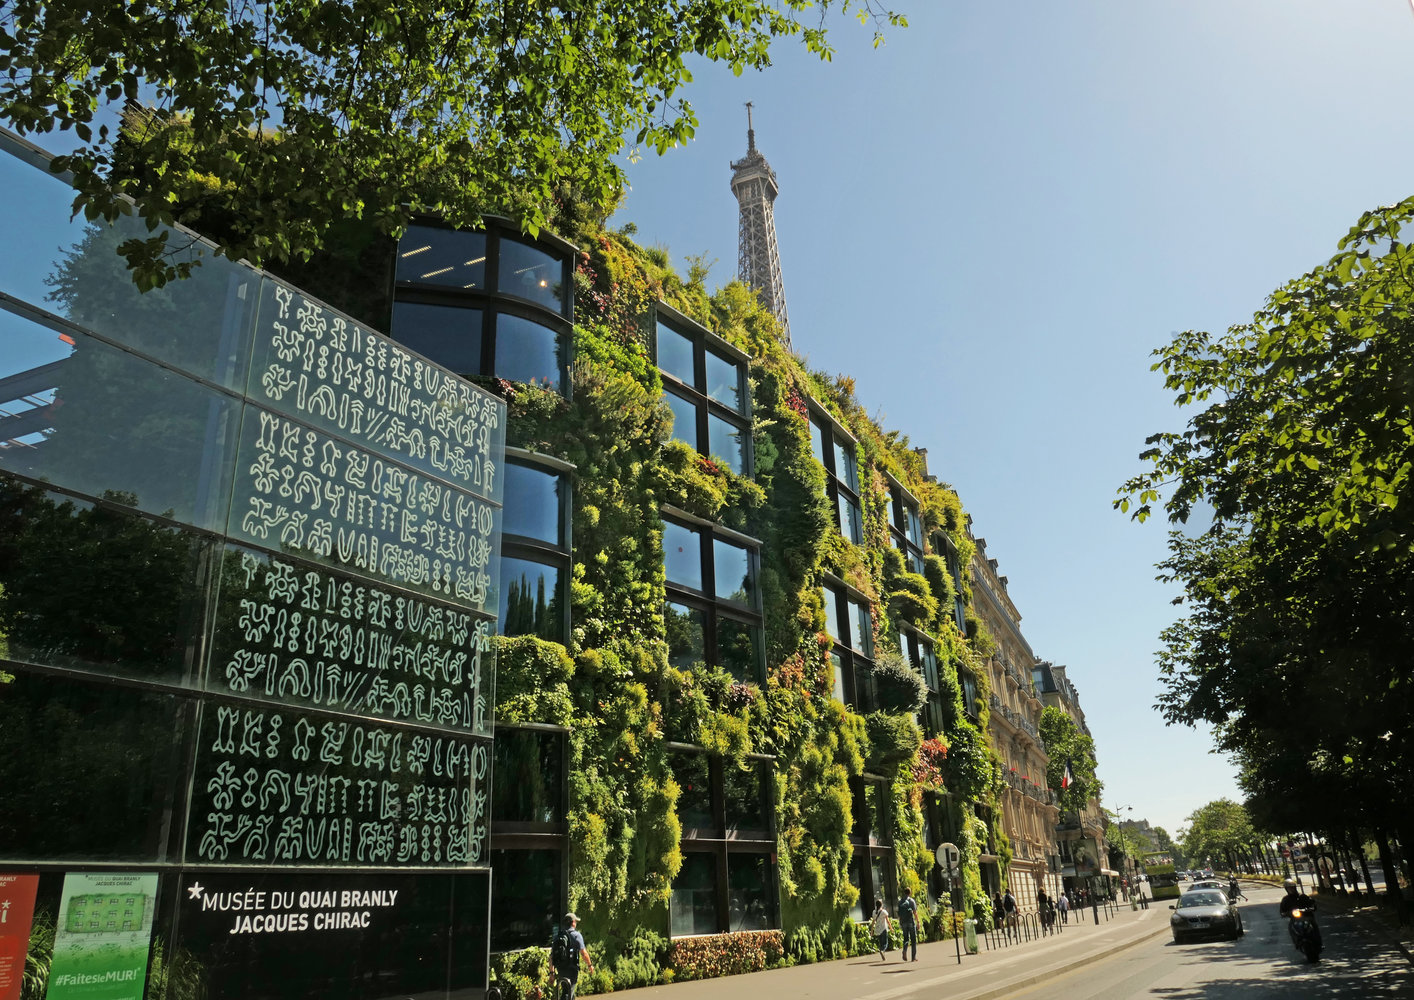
(1016, 984)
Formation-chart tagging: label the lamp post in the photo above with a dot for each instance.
(1123, 843)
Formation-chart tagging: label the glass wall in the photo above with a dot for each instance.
(834, 449)
(704, 384)
(713, 610)
(247, 566)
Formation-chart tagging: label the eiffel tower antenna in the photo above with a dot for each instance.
(758, 261)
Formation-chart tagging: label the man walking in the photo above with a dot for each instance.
(1009, 904)
(908, 923)
(1063, 904)
(565, 954)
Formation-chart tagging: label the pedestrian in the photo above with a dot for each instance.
(1009, 904)
(908, 923)
(879, 927)
(998, 912)
(1063, 904)
(565, 954)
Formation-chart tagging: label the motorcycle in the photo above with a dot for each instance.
(1304, 932)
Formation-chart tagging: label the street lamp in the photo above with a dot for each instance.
(1123, 843)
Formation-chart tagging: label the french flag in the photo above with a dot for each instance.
(1068, 778)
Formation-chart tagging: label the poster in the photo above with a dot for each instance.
(102, 938)
(16, 913)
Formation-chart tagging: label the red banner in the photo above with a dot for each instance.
(16, 912)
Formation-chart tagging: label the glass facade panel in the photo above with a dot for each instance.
(675, 355)
(751, 880)
(739, 649)
(844, 466)
(525, 906)
(532, 503)
(861, 627)
(97, 420)
(433, 256)
(837, 665)
(724, 380)
(881, 867)
(531, 273)
(528, 777)
(684, 418)
(447, 335)
(832, 615)
(819, 435)
(876, 797)
(855, 867)
(89, 772)
(686, 636)
(727, 442)
(745, 794)
(90, 587)
(734, 578)
(915, 528)
(530, 599)
(929, 662)
(682, 556)
(693, 773)
(527, 352)
(694, 905)
(850, 526)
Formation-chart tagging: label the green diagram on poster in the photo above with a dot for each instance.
(101, 943)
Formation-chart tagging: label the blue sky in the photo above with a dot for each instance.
(992, 220)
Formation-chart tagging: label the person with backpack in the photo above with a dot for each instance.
(1009, 903)
(565, 954)
(879, 927)
(908, 923)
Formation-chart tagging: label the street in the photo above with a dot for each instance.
(1262, 965)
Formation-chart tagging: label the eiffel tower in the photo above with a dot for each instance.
(758, 262)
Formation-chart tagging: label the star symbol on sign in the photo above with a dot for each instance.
(5, 905)
(194, 891)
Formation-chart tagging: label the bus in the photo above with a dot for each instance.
(1163, 879)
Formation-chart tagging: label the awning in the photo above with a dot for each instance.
(1108, 871)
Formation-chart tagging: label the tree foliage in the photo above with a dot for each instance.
(1215, 829)
(1065, 743)
(1297, 592)
(298, 115)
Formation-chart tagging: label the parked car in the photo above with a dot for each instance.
(1203, 913)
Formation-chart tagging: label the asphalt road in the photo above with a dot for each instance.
(1262, 965)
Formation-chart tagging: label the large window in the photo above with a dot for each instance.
(728, 878)
(906, 527)
(871, 837)
(850, 625)
(834, 449)
(535, 558)
(704, 385)
(528, 835)
(485, 303)
(712, 614)
(920, 652)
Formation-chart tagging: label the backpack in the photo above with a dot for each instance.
(563, 953)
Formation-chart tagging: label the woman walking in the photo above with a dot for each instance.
(879, 926)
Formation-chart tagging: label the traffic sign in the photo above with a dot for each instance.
(948, 856)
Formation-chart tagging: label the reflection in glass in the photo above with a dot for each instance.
(861, 627)
(525, 904)
(831, 598)
(739, 649)
(855, 867)
(97, 420)
(725, 441)
(724, 381)
(526, 783)
(915, 528)
(447, 335)
(818, 438)
(532, 503)
(969, 692)
(876, 797)
(531, 273)
(837, 666)
(684, 418)
(732, 565)
(850, 526)
(844, 466)
(432, 256)
(88, 771)
(88, 586)
(881, 869)
(675, 355)
(530, 599)
(692, 772)
(929, 662)
(751, 878)
(745, 795)
(686, 634)
(694, 905)
(527, 352)
(682, 555)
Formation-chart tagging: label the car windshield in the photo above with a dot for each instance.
(1203, 899)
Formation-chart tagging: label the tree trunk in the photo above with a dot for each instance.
(1365, 869)
(1387, 862)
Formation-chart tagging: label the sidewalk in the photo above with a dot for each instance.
(936, 973)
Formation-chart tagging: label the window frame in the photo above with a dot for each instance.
(856, 662)
(833, 439)
(703, 343)
(536, 550)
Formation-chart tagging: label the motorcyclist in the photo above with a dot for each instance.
(1233, 889)
(1294, 899)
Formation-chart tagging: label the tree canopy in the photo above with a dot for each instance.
(297, 115)
(1297, 586)
(1215, 830)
